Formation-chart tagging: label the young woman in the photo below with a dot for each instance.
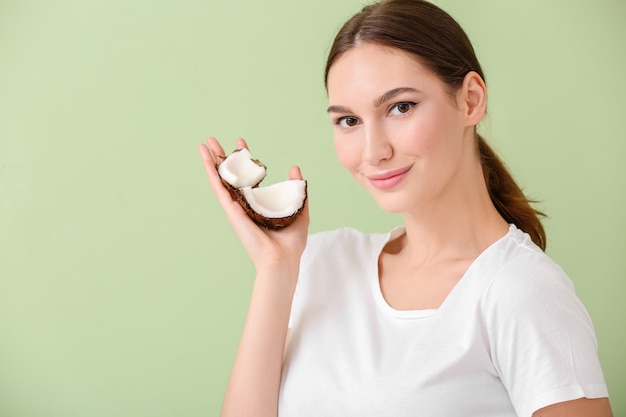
(458, 312)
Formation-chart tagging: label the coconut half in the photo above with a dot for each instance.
(275, 206)
(240, 170)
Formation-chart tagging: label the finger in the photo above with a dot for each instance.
(209, 162)
(295, 173)
(241, 144)
(212, 154)
(211, 170)
(215, 149)
(234, 212)
(205, 153)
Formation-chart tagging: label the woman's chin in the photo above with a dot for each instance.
(392, 205)
(390, 201)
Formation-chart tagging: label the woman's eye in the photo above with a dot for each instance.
(401, 108)
(347, 121)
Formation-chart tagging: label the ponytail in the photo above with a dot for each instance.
(507, 196)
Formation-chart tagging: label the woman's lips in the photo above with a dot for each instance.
(388, 179)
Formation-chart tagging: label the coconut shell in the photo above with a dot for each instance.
(271, 223)
(268, 223)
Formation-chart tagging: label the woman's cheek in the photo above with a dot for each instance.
(348, 153)
(414, 137)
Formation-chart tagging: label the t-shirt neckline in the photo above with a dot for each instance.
(419, 314)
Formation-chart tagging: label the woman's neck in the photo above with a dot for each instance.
(459, 224)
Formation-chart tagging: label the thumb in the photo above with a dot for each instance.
(295, 173)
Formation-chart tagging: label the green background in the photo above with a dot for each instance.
(123, 290)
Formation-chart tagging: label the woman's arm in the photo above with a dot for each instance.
(255, 379)
(582, 407)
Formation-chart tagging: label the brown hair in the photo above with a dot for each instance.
(438, 42)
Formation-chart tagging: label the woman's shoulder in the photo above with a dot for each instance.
(522, 276)
(517, 259)
(537, 326)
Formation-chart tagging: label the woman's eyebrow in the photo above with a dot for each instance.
(338, 109)
(378, 101)
(392, 93)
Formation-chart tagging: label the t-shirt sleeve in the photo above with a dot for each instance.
(542, 340)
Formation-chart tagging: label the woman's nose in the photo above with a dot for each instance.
(377, 147)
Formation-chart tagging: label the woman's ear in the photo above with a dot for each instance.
(474, 98)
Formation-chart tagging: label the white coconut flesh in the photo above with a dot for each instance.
(276, 201)
(239, 170)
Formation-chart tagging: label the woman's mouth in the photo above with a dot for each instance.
(389, 179)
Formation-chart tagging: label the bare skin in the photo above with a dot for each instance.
(582, 407)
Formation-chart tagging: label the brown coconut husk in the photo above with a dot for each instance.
(271, 223)
(266, 222)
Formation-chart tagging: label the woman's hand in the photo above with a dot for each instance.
(266, 248)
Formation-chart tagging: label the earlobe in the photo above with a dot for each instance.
(474, 97)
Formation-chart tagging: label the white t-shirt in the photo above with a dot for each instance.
(510, 338)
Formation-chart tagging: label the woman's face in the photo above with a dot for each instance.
(397, 129)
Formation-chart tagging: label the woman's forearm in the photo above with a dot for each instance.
(255, 379)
